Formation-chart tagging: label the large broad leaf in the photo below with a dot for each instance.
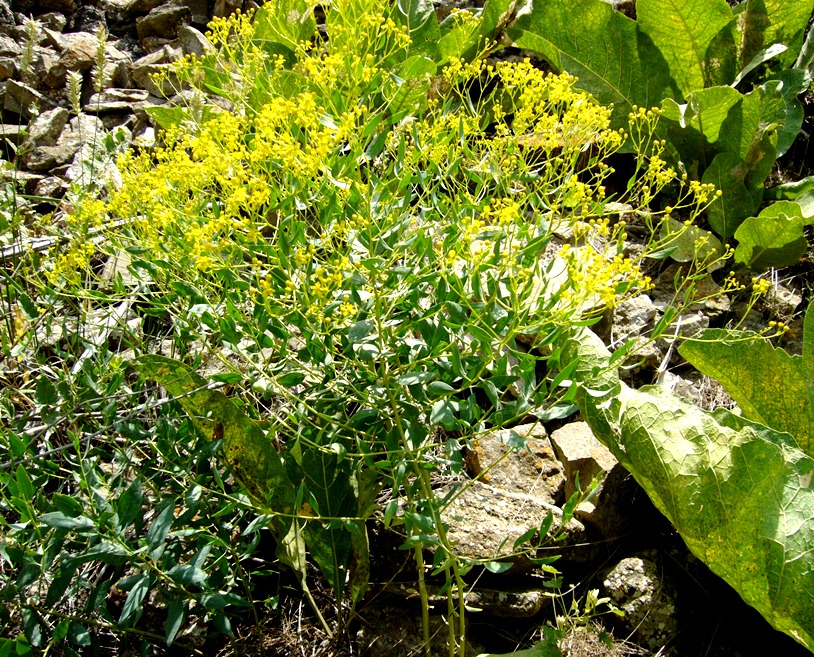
(795, 81)
(613, 59)
(772, 239)
(766, 22)
(728, 173)
(257, 464)
(740, 494)
(693, 128)
(683, 31)
(770, 385)
(281, 26)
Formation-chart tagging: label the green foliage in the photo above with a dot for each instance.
(690, 56)
(772, 239)
(770, 385)
(737, 491)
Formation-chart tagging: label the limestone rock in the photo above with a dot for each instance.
(114, 100)
(581, 454)
(81, 129)
(164, 21)
(21, 98)
(631, 318)
(635, 586)
(535, 471)
(484, 521)
(193, 41)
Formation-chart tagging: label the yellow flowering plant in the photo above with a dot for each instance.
(375, 239)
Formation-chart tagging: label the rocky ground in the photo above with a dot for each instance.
(617, 543)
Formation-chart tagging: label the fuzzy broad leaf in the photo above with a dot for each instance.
(766, 22)
(772, 239)
(770, 385)
(257, 464)
(683, 31)
(740, 494)
(613, 59)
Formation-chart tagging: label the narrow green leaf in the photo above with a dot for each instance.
(133, 604)
(160, 526)
(25, 487)
(61, 521)
(175, 619)
(128, 506)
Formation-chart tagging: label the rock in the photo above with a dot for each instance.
(7, 22)
(193, 41)
(8, 68)
(12, 132)
(715, 303)
(119, 266)
(581, 454)
(682, 387)
(631, 318)
(46, 128)
(20, 99)
(89, 19)
(81, 129)
(77, 53)
(619, 506)
(685, 325)
(518, 603)
(51, 187)
(164, 21)
(484, 522)
(783, 301)
(63, 6)
(146, 66)
(225, 7)
(53, 20)
(533, 471)
(114, 100)
(9, 47)
(635, 586)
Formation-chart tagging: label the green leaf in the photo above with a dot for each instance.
(46, 393)
(59, 520)
(683, 31)
(160, 526)
(738, 492)
(128, 506)
(285, 22)
(770, 386)
(612, 58)
(690, 242)
(772, 239)
(763, 56)
(795, 82)
(257, 464)
(497, 567)
(133, 604)
(188, 575)
(765, 22)
(790, 191)
(25, 487)
(175, 618)
(68, 505)
(728, 173)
